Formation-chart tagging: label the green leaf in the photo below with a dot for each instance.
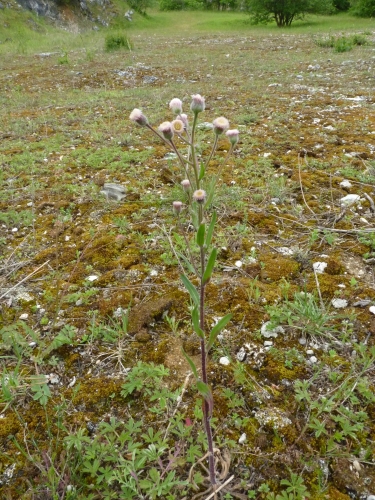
(202, 171)
(209, 267)
(200, 234)
(207, 394)
(217, 329)
(210, 230)
(191, 363)
(195, 319)
(187, 262)
(190, 288)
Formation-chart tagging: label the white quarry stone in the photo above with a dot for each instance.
(224, 361)
(339, 303)
(268, 333)
(243, 438)
(350, 199)
(319, 267)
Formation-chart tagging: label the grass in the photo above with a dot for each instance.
(93, 367)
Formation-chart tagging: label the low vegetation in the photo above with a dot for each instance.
(97, 399)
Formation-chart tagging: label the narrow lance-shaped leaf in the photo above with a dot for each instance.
(195, 319)
(187, 262)
(190, 288)
(200, 235)
(217, 329)
(210, 266)
(191, 364)
(210, 230)
(207, 394)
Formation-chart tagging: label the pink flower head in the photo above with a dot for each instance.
(197, 104)
(176, 106)
(233, 136)
(177, 206)
(199, 196)
(138, 117)
(178, 126)
(167, 130)
(221, 125)
(185, 184)
(184, 119)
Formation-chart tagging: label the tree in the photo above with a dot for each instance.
(363, 8)
(284, 12)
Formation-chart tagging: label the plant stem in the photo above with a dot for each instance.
(207, 409)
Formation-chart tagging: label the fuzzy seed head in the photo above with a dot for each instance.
(176, 106)
(167, 130)
(199, 196)
(221, 125)
(197, 104)
(138, 117)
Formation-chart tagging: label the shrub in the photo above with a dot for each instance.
(116, 42)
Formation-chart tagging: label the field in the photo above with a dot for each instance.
(97, 400)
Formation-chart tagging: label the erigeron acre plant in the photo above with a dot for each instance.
(198, 201)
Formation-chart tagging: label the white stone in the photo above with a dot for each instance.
(356, 465)
(339, 303)
(238, 263)
(350, 199)
(313, 359)
(224, 361)
(24, 316)
(243, 438)
(153, 272)
(14, 230)
(266, 332)
(345, 184)
(268, 343)
(285, 250)
(372, 309)
(319, 267)
(92, 277)
(309, 351)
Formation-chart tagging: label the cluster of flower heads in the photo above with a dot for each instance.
(179, 126)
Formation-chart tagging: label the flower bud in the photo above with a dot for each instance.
(177, 206)
(233, 136)
(197, 104)
(178, 126)
(185, 184)
(221, 125)
(199, 196)
(167, 130)
(138, 117)
(176, 106)
(184, 119)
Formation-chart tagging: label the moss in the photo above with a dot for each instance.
(277, 267)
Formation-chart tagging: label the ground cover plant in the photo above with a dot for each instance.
(97, 398)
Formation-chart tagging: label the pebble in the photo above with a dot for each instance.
(113, 191)
(350, 199)
(339, 303)
(24, 316)
(243, 438)
(313, 359)
(371, 497)
(309, 351)
(241, 355)
(319, 267)
(268, 343)
(266, 332)
(224, 361)
(93, 277)
(345, 184)
(302, 341)
(238, 263)
(372, 309)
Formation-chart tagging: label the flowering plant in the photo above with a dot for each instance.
(196, 177)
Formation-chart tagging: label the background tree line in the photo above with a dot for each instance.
(284, 12)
